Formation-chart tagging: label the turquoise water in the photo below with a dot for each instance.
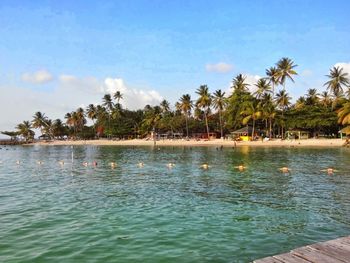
(73, 213)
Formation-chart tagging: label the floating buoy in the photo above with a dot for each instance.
(170, 165)
(240, 167)
(330, 171)
(285, 169)
(205, 166)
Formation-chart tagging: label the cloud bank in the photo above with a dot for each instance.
(38, 77)
(220, 67)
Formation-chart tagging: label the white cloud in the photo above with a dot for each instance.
(132, 98)
(345, 66)
(306, 73)
(220, 67)
(38, 77)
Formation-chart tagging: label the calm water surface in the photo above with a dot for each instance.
(72, 213)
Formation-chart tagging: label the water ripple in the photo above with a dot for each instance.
(73, 213)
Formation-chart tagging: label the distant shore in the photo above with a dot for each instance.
(193, 143)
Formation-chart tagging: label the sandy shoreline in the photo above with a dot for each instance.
(214, 143)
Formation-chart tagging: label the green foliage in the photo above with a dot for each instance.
(312, 118)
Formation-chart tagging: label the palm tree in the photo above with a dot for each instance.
(165, 106)
(312, 97)
(285, 70)
(186, 105)
(326, 99)
(177, 108)
(251, 111)
(108, 103)
(151, 118)
(238, 83)
(344, 114)
(118, 107)
(268, 110)
(300, 103)
(40, 121)
(72, 120)
(58, 129)
(24, 129)
(263, 87)
(219, 103)
(283, 101)
(91, 112)
(272, 76)
(81, 121)
(338, 80)
(118, 96)
(204, 102)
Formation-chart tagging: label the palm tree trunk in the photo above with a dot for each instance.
(282, 124)
(186, 118)
(206, 124)
(270, 135)
(253, 129)
(220, 119)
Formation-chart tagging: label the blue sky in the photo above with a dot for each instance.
(58, 55)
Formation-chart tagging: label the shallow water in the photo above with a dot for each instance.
(72, 213)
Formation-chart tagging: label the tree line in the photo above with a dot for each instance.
(268, 110)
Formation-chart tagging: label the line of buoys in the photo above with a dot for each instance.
(205, 166)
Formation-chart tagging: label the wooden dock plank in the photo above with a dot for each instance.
(313, 255)
(268, 260)
(332, 251)
(344, 240)
(290, 258)
(339, 244)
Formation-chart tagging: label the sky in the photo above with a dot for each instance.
(56, 56)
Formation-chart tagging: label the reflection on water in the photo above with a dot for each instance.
(75, 213)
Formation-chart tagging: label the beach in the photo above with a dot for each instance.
(193, 143)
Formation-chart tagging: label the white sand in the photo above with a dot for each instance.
(215, 143)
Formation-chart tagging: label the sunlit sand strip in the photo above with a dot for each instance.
(216, 143)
